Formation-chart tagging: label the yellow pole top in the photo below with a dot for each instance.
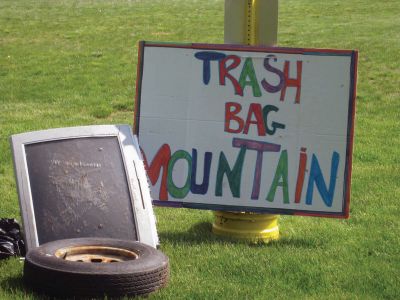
(251, 22)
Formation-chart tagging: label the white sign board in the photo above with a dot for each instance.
(247, 129)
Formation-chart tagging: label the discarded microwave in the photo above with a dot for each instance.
(84, 181)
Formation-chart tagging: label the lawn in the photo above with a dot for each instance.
(69, 63)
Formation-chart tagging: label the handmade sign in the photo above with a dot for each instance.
(247, 129)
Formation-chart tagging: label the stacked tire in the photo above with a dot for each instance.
(47, 269)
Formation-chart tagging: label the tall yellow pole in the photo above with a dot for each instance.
(249, 22)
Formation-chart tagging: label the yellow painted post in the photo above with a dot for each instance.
(249, 22)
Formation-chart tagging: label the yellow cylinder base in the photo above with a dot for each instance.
(249, 227)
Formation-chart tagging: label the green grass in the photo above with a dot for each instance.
(66, 63)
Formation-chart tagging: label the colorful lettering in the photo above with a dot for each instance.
(292, 82)
(234, 175)
(160, 160)
(280, 173)
(260, 147)
(231, 111)
(255, 110)
(207, 57)
(255, 116)
(203, 187)
(317, 178)
(248, 72)
(267, 86)
(300, 175)
(174, 191)
(275, 125)
(224, 72)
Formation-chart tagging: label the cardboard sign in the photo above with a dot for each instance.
(247, 129)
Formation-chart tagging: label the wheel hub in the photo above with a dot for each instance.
(96, 254)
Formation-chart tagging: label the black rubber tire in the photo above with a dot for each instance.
(46, 273)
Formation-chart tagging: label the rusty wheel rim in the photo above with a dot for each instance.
(96, 254)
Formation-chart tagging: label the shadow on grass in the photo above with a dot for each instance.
(296, 242)
(201, 233)
(13, 284)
